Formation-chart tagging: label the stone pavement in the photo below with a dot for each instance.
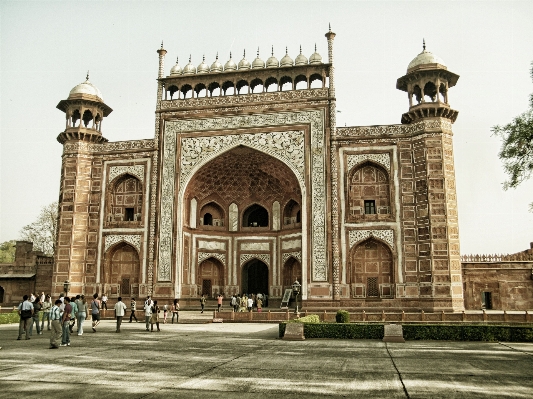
(249, 361)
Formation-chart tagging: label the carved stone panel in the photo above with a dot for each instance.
(134, 240)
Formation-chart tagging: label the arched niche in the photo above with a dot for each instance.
(255, 216)
(210, 277)
(124, 200)
(369, 193)
(212, 214)
(291, 215)
(292, 271)
(372, 269)
(255, 277)
(122, 270)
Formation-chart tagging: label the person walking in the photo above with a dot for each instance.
(165, 312)
(219, 302)
(175, 310)
(47, 305)
(120, 311)
(73, 315)
(65, 321)
(250, 303)
(95, 311)
(82, 313)
(133, 307)
(154, 318)
(259, 305)
(202, 302)
(25, 311)
(55, 316)
(35, 317)
(147, 312)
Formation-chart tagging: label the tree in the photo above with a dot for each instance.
(42, 232)
(7, 252)
(516, 152)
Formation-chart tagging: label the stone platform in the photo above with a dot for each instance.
(247, 360)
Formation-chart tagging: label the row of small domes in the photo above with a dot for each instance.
(272, 62)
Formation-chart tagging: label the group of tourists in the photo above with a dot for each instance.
(67, 312)
(246, 302)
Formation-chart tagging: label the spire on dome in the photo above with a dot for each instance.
(424, 44)
(87, 77)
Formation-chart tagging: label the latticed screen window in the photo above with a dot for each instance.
(372, 286)
(370, 207)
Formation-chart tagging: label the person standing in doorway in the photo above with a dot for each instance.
(120, 311)
(25, 310)
(104, 302)
(133, 308)
(65, 321)
(47, 305)
(250, 303)
(175, 310)
(95, 311)
(202, 302)
(55, 316)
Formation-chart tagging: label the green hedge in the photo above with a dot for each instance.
(468, 332)
(339, 331)
(8, 318)
(447, 332)
(312, 318)
(342, 316)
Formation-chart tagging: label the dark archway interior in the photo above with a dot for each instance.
(255, 216)
(255, 277)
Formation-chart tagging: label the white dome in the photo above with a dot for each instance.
(315, 58)
(86, 88)
(176, 69)
(425, 57)
(189, 69)
(230, 65)
(301, 59)
(286, 60)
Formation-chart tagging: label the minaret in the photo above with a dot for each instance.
(79, 194)
(435, 202)
(161, 71)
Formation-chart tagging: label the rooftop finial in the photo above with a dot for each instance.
(203, 58)
(315, 47)
(272, 51)
(161, 43)
(244, 54)
(217, 55)
(87, 77)
(190, 57)
(300, 49)
(330, 26)
(286, 50)
(230, 55)
(424, 44)
(177, 60)
(257, 52)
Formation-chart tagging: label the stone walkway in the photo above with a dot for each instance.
(249, 361)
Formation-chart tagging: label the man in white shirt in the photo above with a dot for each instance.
(120, 311)
(250, 304)
(104, 301)
(55, 316)
(25, 310)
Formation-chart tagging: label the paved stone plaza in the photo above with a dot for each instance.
(249, 361)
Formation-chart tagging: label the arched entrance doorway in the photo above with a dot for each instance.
(122, 272)
(372, 267)
(292, 271)
(255, 277)
(211, 277)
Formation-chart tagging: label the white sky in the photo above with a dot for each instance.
(46, 48)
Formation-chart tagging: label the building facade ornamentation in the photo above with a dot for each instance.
(262, 257)
(357, 236)
(134, 170)
(133, 239)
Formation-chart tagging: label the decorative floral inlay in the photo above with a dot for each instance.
(287, 255)
(357, 236)
(263, 257)
(205, 255)
(134, 240)
(135, 170)
(382, 159)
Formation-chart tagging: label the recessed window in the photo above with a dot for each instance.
(128, 217)
(208, 219)
(370, 207)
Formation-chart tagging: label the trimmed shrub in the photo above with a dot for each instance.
(342, 316)
(339, 331)
(8, 318)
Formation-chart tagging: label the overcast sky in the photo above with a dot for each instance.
(48, 46)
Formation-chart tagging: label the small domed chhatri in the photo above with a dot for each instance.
(272, 61)
(244, 64)
(300, 59)
(258, 62)
(230, 65)
(176, 69)
(86, 88)
(203, 67)
(189, 68)
(425, 57)
(315, 58)
(286, 60)
(216, 66)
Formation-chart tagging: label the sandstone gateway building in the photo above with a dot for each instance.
(249, 185)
